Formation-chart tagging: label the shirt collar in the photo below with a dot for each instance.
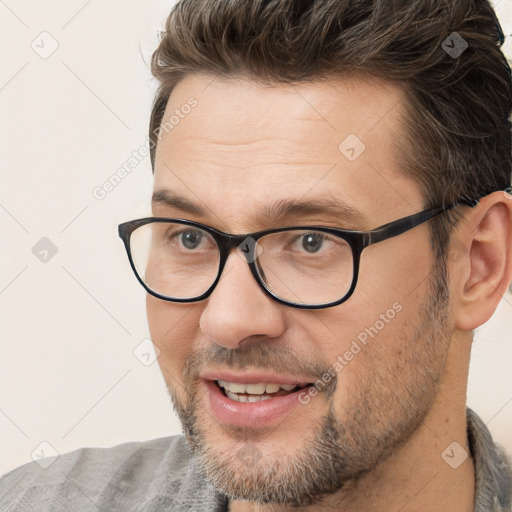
(493, 470)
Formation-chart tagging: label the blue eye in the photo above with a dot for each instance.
(312, 242)
(191, 239)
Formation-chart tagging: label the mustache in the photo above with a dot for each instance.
(259, 355)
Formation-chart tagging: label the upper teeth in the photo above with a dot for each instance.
(254, 389)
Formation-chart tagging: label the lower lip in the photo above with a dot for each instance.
(247, 414)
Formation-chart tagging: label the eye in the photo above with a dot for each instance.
(190, 239)
(176, 237)
(312, 242)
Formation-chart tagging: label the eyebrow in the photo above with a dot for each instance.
(275, 213)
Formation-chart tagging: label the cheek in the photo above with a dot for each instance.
(173, 328)
(371, 356)
(391, 271)
(368, 334)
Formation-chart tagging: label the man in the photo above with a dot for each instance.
(361, 154)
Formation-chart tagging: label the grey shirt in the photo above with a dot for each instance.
(162, 475)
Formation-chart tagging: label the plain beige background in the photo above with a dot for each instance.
(75, 97)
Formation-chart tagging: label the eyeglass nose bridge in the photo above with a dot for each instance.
(248, 248)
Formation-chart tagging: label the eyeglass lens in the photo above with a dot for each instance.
(299, 266)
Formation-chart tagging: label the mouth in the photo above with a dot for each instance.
(256, 392)
(252, 400)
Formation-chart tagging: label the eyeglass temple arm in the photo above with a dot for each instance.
(401, 226)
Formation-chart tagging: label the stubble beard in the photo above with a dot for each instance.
(385, 407)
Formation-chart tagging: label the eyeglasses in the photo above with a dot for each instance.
(308, 267)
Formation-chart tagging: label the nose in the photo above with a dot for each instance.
(238, 308)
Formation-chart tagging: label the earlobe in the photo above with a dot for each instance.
(488, 262)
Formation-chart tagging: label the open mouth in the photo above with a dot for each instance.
(257, 392)
(253, 400)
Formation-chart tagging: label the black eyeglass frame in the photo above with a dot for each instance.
(358, 241)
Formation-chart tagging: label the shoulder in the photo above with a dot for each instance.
(144, 476)
(493, 468)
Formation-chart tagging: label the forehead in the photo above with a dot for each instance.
(244, 146)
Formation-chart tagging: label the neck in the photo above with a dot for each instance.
(419, 476)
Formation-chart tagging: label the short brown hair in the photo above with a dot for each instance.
(457, 136)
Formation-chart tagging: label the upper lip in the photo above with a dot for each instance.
(254, 377)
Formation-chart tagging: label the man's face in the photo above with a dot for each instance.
(377, 359)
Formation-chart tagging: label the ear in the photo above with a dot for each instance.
(484, 270)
